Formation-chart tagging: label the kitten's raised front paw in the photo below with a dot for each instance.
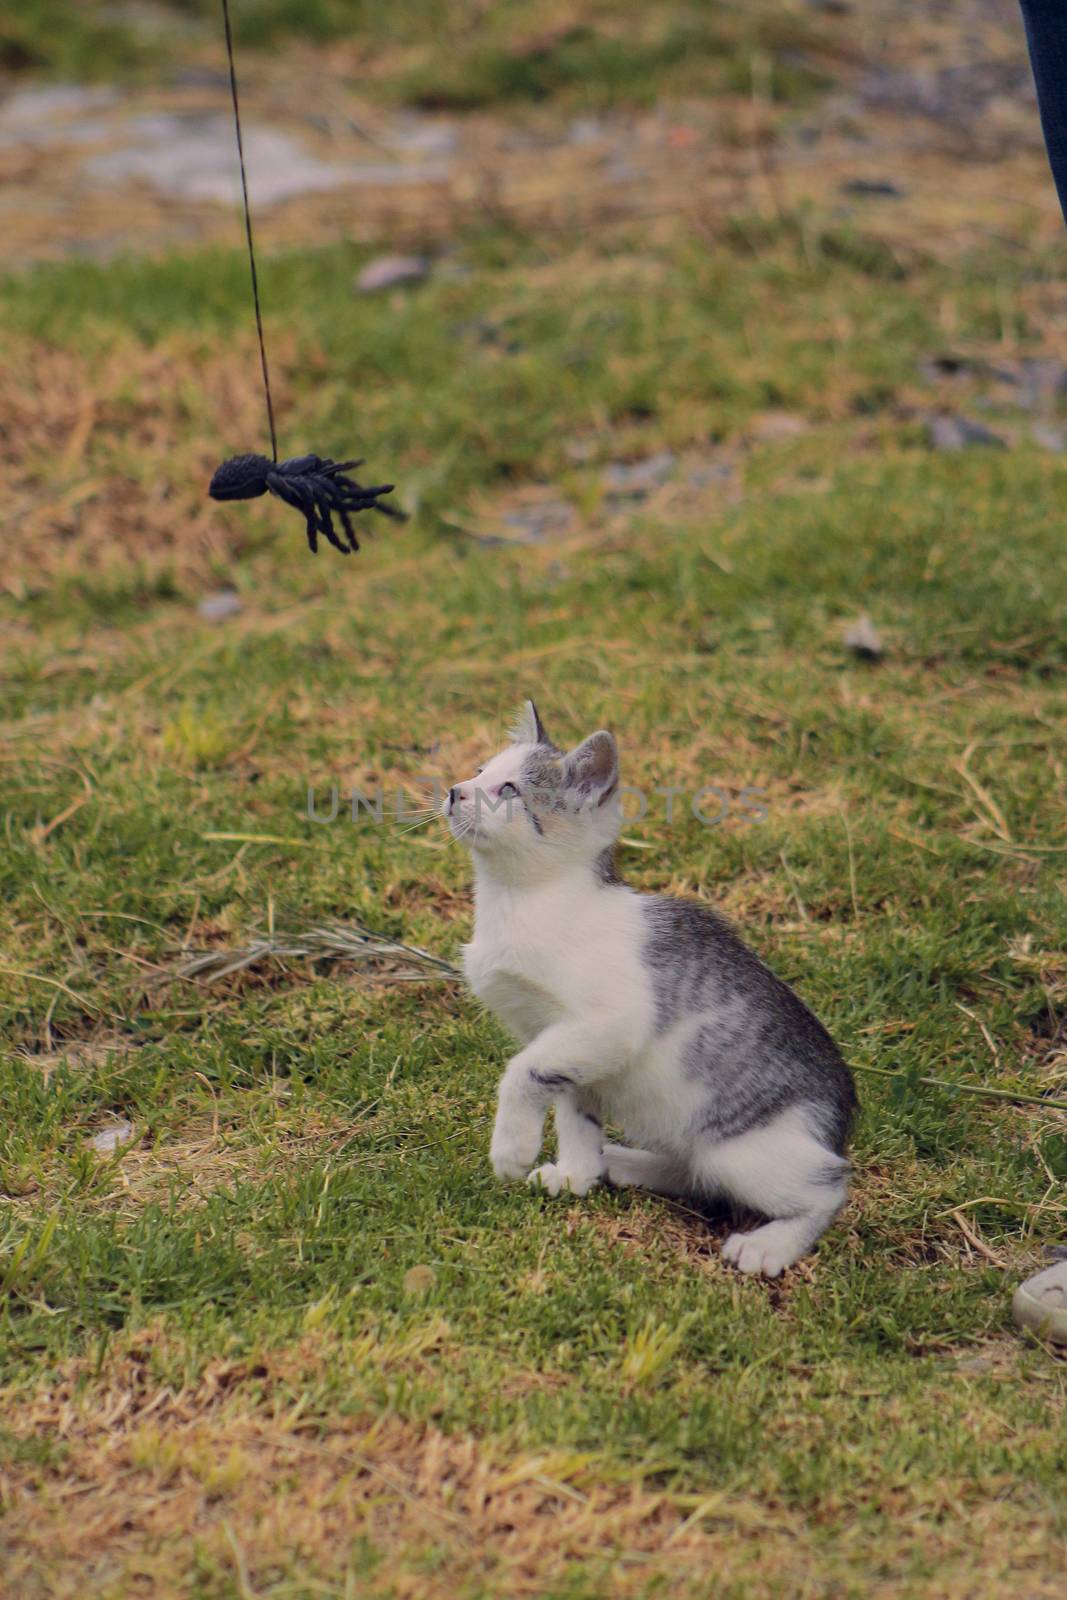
(553, 1179)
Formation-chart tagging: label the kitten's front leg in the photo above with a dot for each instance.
(579, 1163)
(560, 1059)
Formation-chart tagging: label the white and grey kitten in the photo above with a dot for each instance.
(640, 1010)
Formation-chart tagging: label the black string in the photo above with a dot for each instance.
(248, 228)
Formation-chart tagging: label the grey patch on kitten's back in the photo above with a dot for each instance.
(754, 1043)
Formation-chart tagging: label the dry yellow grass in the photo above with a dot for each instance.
(98, 486)
(146, 1487)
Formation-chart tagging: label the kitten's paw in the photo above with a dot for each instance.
(507, 1168)
(513, 1152)
(767, 1250)
(553, 1179)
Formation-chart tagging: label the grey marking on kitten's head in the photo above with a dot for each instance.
(591, 772)
(533, 809)
(584, 779)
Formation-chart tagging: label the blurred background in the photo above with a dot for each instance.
(892, 142)
(718, 351)
(411, 118)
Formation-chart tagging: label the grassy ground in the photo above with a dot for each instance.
(465, 55)
(292, 1339)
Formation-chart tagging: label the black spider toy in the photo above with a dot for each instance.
(317, 488)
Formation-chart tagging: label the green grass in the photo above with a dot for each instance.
(457, 56)
(302, 1141)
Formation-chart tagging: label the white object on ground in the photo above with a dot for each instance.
(109, 1139)
(190, 156)
(217, 607)
(1040, 1303)
(863, 638)
(385, 272)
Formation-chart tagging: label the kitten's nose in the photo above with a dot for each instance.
(453, 796)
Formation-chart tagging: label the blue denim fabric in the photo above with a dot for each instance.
(1046, 34)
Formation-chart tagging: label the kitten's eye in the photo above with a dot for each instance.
(506, 790)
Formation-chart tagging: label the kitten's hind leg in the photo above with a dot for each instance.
(777, 1245)
(784, 1170)
(646, 1169)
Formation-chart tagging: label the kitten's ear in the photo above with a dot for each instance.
(591, 772)
(528, 728)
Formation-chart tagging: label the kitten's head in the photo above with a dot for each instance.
(534, 810)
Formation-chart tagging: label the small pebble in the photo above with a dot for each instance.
(109, 1139)
(217, 607)
(947, 433)
(863, 638)
(386, 272)
(637, 477)
(873, 188)
(947, 365)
